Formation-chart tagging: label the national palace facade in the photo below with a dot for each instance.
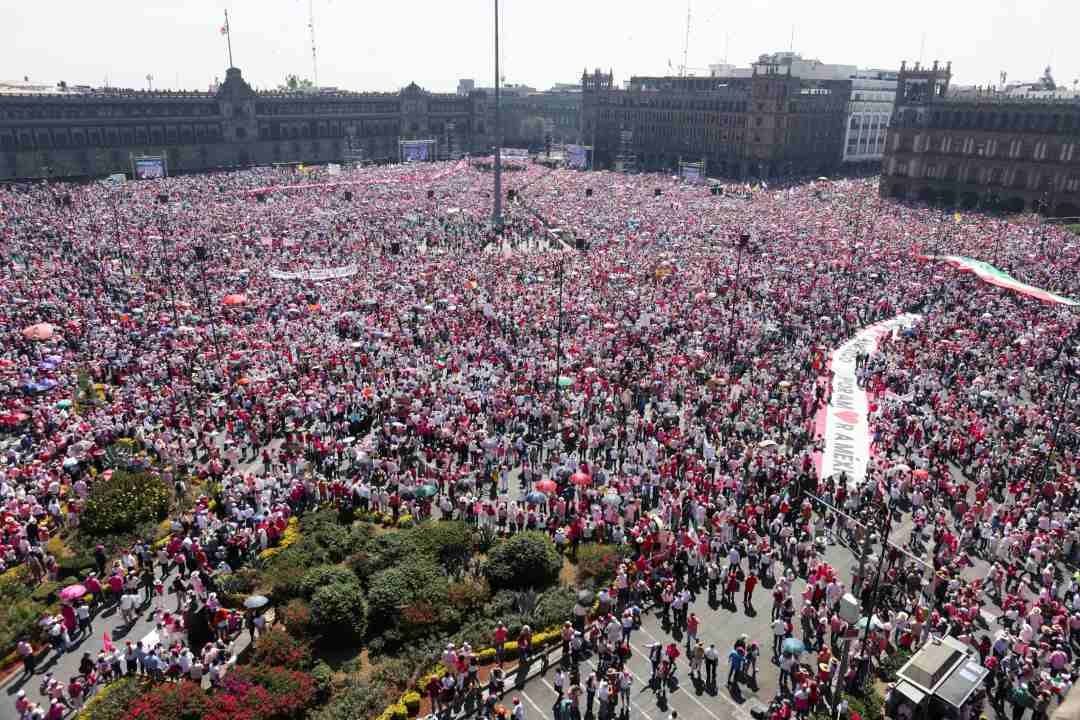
(97, 132)
(981, 148)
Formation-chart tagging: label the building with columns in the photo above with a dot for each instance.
(88, 133)
(981, 148)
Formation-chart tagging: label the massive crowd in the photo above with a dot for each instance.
(646, 376)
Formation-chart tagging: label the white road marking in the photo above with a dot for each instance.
(737, 709)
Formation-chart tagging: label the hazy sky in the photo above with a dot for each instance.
(385, 44)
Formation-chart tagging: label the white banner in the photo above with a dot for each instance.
(316, 274)
(846, 430)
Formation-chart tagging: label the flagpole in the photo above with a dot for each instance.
(228, 37)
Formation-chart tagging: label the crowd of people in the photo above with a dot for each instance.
(642, 365)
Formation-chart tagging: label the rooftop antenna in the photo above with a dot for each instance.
(149, 81)
(791, 46)
(727, 46)
(227, 32)
(922, 47)
(686, 42)
(311, 27)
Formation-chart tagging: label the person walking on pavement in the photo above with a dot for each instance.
(735, 665)
(748, 591)
(712, 660)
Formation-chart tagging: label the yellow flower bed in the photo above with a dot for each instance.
(290, 536)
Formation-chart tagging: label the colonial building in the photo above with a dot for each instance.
(981, 148)
(96, 132)
(768, 124)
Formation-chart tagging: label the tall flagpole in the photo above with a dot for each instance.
(228, 37)
(496, 215)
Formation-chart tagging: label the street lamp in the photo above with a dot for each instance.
(743, 243)
(558, 354)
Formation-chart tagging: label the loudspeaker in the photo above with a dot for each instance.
(163, 198)
(348, 196)
(200, 253)
(430, 194)
(656, 192)
(588, 192)
(511, 194)
(717, 190)
(260, 197)
(395, 248)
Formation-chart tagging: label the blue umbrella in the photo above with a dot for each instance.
(794, 646)
(536, 497)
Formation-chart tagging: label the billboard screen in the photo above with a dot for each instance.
(415, 150)
(576, 156)
(515, 152)
(692, 173)
(149, 168)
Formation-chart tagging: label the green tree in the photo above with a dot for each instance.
(525, 560)
(295, 83)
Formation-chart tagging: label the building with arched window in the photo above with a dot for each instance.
(982, 148)
(94, 132)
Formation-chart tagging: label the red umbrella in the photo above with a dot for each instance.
(546, 486)
(40, 331)
(580, 478)
(234, 300)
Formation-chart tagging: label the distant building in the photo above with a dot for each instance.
(982, 149)
(95, 132)
(465, 86)
(762, 124)
(873, 93)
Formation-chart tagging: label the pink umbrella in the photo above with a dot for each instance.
(72, 592)
(581, 479)
(40, 331)
(234, 300)
(546, 486)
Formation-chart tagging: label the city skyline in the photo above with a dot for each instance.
(180, 45)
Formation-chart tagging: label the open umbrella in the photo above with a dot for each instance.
(536, 497)
(581, 479)
(794, 646)
(234, 300)
(256, 601)
(899, 468)
(426, 491)
(875, 621)
(72, 592)
(546, 486)
(39, 332)
(585, 597)
(565, 381)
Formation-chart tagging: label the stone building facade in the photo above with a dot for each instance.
(770, 124)
(96, 133)
(981, 149)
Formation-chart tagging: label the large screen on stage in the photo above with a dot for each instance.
(149, 168)
(576, 156)
(415, 150)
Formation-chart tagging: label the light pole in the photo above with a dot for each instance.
(496, 214)
(558, 354)
(744, 241)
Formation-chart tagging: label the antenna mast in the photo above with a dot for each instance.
(686, 42)
(314, 58)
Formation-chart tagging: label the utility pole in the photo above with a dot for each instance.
(558, 351)
(496, 215)
(744, 240)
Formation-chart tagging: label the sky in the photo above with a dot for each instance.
(386, 44)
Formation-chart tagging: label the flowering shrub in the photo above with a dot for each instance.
(248, 692)
(123, 502)
(170, 701)
(111, 702)
(279, 648)
(296, 616)
(290, 536)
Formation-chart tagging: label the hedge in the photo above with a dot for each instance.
(124, 502)
(526, 560)
(339, 614)
(112, 701)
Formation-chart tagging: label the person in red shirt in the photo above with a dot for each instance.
(748, 590)
(499, 641)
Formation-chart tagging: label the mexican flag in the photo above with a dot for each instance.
(990, 274)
